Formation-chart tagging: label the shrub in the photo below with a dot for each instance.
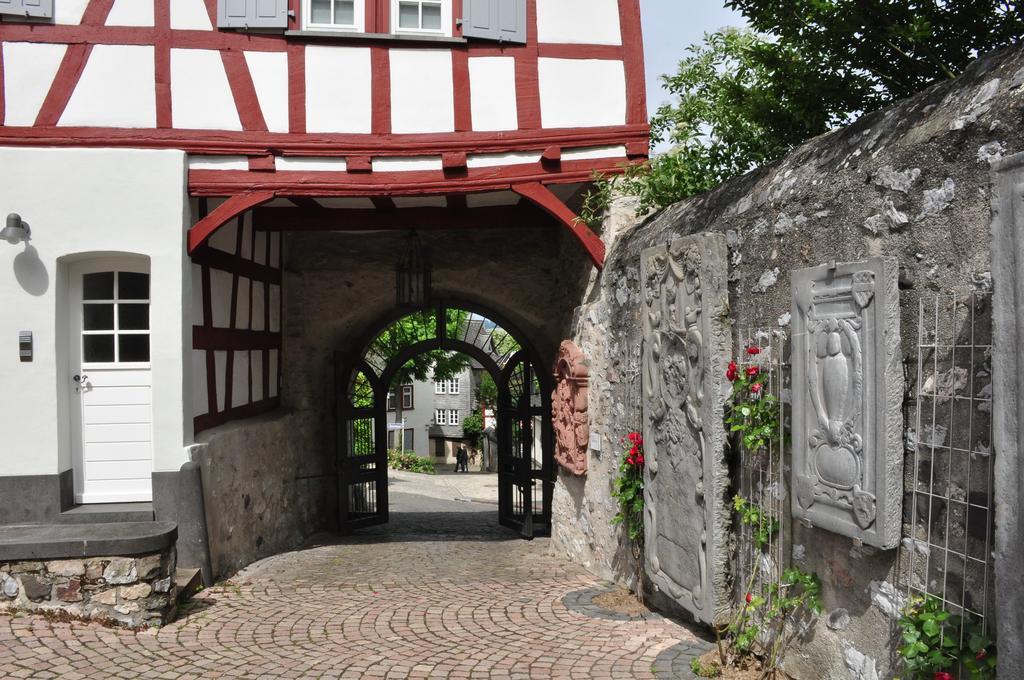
(409, 461)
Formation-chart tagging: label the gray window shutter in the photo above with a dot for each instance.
(252, 13)
(42, 9)
(502, 20)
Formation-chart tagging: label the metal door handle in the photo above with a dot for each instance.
(80, 378)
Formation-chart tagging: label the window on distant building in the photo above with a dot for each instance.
(345, 15)
(440, 417)
(447, 386)
(453, 416)
(407, 400)
(422, 16)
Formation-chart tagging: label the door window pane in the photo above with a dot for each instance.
(98, 348)
(432, 17)
(408, 15)
(133, 317)
(132, 286)
(98, 317)
(98, 286)
(133, 347)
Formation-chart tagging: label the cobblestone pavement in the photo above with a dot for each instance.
(441, 592)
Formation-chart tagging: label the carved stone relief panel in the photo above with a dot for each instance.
(847, 392)
(569, 404)
(686, 347)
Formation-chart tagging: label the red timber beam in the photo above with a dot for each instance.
(423, 219)
(219, 216)
(545, 199)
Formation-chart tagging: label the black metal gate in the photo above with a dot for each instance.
(525, 440)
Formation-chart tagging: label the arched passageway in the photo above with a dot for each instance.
(524, 435)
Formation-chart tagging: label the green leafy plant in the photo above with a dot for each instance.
(753, 413)
(931, 643)
(596, 200)
(628, 488)
(763, 524)
(410, 461)
(766, 625)
(703, 670)
(473, 429)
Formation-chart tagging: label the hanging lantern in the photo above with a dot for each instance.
(412, 275)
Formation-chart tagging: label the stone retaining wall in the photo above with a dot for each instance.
(131, 591)
(910, 182)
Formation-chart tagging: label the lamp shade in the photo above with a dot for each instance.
(413, 274)
(16, 230)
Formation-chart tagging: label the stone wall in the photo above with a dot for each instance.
(910, 182)
(266, 488)
(131, 591)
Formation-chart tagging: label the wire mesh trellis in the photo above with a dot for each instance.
(761, 474)
(946, 552)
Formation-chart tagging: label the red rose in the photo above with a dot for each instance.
(756, 388)
(634, 437)
(731, 373)
(640, 459)
(753, 350)
(942, 675)
(633, 450)
(750, 598)
(753, 371)
(630, 461)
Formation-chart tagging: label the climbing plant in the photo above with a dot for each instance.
(628, 488)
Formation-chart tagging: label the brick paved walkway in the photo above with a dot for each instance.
(442, 591)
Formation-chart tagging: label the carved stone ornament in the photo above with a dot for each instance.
(686, 347)
(847, 392)
(569, 404)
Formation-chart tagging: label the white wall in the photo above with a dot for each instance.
(81, 203)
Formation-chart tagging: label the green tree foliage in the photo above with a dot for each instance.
(487, 392)
(473, 428)
(415, 328)
(743, 98)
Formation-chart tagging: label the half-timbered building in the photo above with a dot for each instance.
(162, 161)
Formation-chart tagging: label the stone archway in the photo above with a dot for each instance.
(525, 442)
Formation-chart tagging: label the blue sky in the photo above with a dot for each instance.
(670, 26)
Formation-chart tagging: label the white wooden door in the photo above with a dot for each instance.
(110, 381)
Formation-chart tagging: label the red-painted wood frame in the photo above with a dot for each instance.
(255, 140)
(210, 339)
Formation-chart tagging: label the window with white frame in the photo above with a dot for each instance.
(422, 16)
(342, 15)
(407, 398)
(440, 417)
(453, 416)
(447, 386)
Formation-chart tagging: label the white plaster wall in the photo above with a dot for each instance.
(189, 15)
(70, 11)
(570, 95)
(200, 93)
(338, 89)
(110, 201)
(269, 71)
(117, 89)
(29, 69)
(406, 163)
(131, 13)
(422, 91)
(589, 22)
(492, 85)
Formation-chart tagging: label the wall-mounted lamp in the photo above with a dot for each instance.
(16, 231)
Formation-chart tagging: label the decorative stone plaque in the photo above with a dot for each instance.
(686, 348)
(569, 406)
(847, 391)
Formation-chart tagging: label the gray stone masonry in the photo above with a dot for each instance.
(131, 591)
(1008, 409)
(686, 348)
(847, 470)
(910, 182)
